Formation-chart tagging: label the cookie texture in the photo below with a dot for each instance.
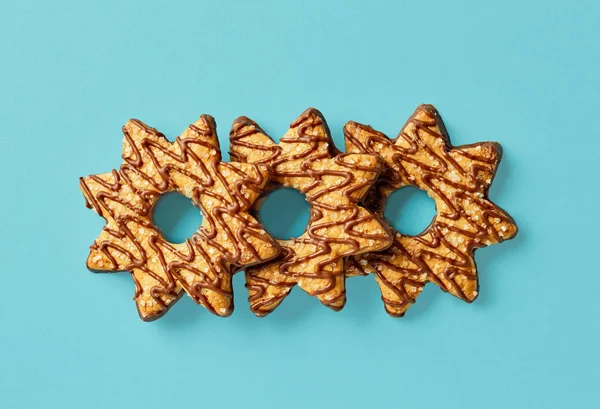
(333, 183)
(202, 266)
(458, 180)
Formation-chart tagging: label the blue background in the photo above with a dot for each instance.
(523, 73)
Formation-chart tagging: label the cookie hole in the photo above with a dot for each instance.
(410, 210)
(285, 213)
(176, 217)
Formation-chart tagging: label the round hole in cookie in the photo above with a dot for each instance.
(285, 213)
(410, 210)
(176, 217)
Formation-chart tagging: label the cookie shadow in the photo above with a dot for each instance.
(363, 302)
(296, 308)
(487, 257)
(184, 313)
(424, 304)
(490, 275)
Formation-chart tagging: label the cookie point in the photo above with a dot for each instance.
(428, 108)
(354, 126)
(260, 314)
(351, 125)
(312, 111)
(395, 314)
(224, 312)
(209, 120)
(149, 318)
(496, 147)
(136, 123)
(471, 297)
(132, 122)
(242, 122)
(307, 114)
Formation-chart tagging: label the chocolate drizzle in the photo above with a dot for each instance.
(306, 159)
(228, 239)
(458, 179)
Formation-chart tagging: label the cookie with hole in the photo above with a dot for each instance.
(458, 180)
(333, 183)
(230, 238)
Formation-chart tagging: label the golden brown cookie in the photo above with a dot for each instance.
(202, 266)
(458, 180)
(307, 160)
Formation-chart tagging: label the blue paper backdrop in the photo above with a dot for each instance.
(523, 73)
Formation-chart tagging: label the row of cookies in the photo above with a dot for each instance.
(345, 236)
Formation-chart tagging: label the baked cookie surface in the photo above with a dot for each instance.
(458, 180)
(202, 266)
(333, 183)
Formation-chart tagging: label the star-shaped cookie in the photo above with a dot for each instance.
(458, 180)
(202, 266)
(307, 160)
